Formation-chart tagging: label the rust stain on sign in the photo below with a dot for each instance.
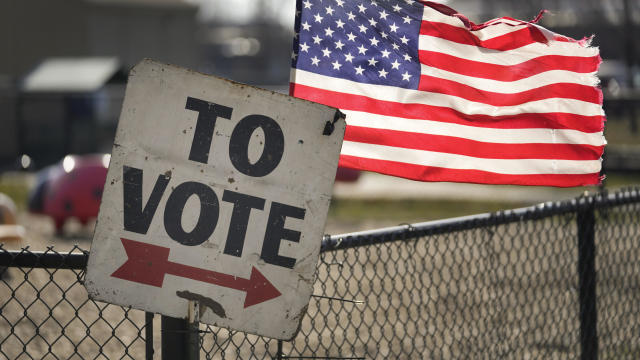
(205, 302)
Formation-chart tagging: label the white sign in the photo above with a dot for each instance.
(216, 193)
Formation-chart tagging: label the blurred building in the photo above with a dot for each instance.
(257, 53)
(47, 122)
(246, 41)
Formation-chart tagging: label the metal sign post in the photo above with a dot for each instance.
(217, 195)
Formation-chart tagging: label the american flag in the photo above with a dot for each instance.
(431, 96)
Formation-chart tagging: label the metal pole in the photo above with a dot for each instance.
(587, 283)
(20, 125)
(630, 53)
(279, 354)
(148, 335)
(174, 339)
(193, 335)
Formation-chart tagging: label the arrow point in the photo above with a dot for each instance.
(260, 289)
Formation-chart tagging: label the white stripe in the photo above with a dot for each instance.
(497, 27)
(509, 57)
(462, 162)
(406, 96)
(512, 87)
(431, 14)
(491, 135)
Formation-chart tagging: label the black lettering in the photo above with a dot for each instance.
(242, 205)
(277, 232)
(207, 220)
(203, 135)
(137, 219)
(271, 153)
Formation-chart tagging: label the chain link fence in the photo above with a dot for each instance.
(557, 280)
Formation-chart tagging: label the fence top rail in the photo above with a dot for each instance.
(543, 210)
(76, 258)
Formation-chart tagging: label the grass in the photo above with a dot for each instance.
(409, 211)
(618, 180)
(17, 189)
(617, 131)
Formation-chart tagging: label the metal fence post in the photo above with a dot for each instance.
(193, 335)
(587, 282)
(148, 335)
(279, 354)
(174, 338)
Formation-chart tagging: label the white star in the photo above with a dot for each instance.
(296, 35)
(404, 40)
(339, 24)
(351, 16)
(304, 47)
(408, 1)
(318, 18)
(315, 61)
(351, 36)
(406, 76)
(339, 44)
(307, 4)
(316, 39)
(393, 27)
(372, 22)
(407, 57)
(395, 65)
(348, 57)
(406, 20)
(397, 8)
(359, 70)
(362, 8)
(326, 52)
(384, 35)
(336, 65)
(395, 46)
(329, 10)
(374, 3)
(383, 15)
(385, 53)
(306, 26)
(363, 29)
(372, 62)
(293, 55)
(340, 3)
(382, 73)
(374, 41)
(328, 32)
(362, 50)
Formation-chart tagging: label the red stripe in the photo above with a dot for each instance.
(460, 146)
(516, 39)
(559, 90)
(588, 124)
(428, 173)
(509, 72)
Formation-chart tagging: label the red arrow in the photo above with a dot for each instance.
(147, 264)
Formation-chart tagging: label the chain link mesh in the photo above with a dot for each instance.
(515, 284)
(45, 314)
